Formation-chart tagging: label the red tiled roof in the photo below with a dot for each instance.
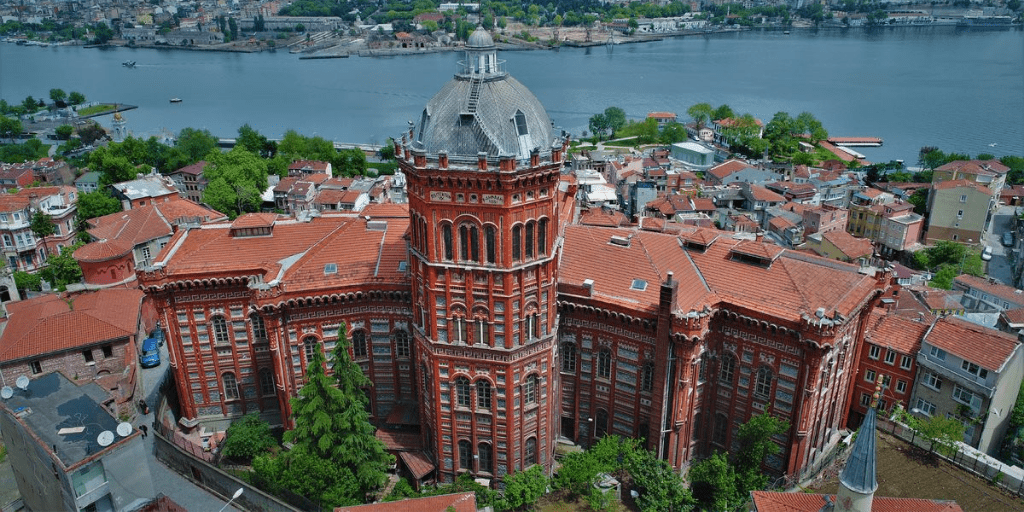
(285, 184)
(851, 246)
(896, 332)
(400, 441)
(946, 185)
(662, 115)
(1014, 316)
(49, 324)
(418, 463)
(601, 217)
(1007, 293)
(728, 167)
(461, 502)
(989, 348)
(254, 220)
(331, 196)
(195, 169)
(312, 165)
(103, 250)
(703, 204)
(985, 167)
(768, 501)
(781, 223)
(386, 211)
(760, 193)
(942, 300)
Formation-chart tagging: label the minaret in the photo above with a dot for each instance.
(857, 483)
(483, 169)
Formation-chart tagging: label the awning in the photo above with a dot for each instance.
(417, 463)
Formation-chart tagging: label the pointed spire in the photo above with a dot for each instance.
(858, 482)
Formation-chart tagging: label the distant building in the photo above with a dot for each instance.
(662, 117)
(190, 182)
(69, 453)
(145, 189)
(88, 182)
(21, 249)
(958, 211)
(694, 154)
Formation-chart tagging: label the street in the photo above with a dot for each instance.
(999, 267)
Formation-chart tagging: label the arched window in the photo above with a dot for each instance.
(486, 458)
(267, 382)
(259, 329)
(446, 241)
(647, 378)
(481, 331)
(423, 235)
(764, 382)
(220, 330)
(531, 329)
(474, 243)
(542, 237)
(604, 364)
(728, 369)
(531, 452)
(531, 387)
(401, 343)
(568, 357)
(483, 394)
(458, 334)
(465, 455)
(489, 237)
(517, 241)
(721, 429)
(528, 245)
(311, 346)
(601, 424)
(702, 368)
(230, 386)
(358, 344)
(464, 243)
(462, 391)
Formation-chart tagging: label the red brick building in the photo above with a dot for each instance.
(491, 322)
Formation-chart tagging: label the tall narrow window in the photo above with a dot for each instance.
(568, 357)
(458, 329)
(486, 458)
(517, 240)
(647, 378)
(465, 455)
(220, 330)
(601, 424)
(531, 451)
(604, 363)
(483, 394)
(721, 429)
(462, 391)
(311, 346)
(259, 329)
(530, 389)
(464, 243)
(530, 226)
(358, 344)
(266, 382)
(542, 237)
(401, 343)
(230, 386)
(474, 243)
(423, 235)
(489, 235)
(728, 369)
(481, 331)
(446, 240)
(764, 381)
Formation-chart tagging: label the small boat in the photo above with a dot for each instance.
(175, 100)
(128, 63)
(786, 32)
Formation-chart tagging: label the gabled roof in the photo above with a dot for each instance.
(770, 501)
(51, 324)
(724, 169)
(461, 502)
(982, 167)
(896, 332)
(1002, 291)
(851, 246)
(988, 348)
(760, 193)
(952, 184)
(195, 169)
(602, 217)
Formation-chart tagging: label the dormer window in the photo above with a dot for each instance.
(520, 120)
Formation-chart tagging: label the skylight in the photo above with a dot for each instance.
(331, 268)
(402, 265)
(639, 284)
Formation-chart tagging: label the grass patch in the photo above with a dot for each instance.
(95, 109)
(625, 143)
(383, 168)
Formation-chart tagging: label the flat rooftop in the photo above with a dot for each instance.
(51, 403)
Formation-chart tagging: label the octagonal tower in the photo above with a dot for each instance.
(483, 168)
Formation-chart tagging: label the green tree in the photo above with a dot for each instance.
(30, 105)
(1016, 165)
(713, 483)
(235, 181)
(723, 112)
(102, 33)
(10, 128)
(672, 133)
(920, 201)
(91, 132)
(942, 433)
(59, 97)
(598, 124)
(248, 438)
(387, 151)
(321, 480)
(254, 142)
(524, 488)
(27, 282)
(615, 118)
(331, 420)
(64, 131)
(96, 204)
(196, 144)
(661, 488)
(41, 224)
(755, 438)
(76, 98)
(701, 113)
(62, 269)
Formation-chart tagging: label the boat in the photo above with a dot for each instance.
(175, 100)
(128, 63)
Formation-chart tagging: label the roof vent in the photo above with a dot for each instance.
(620, 241)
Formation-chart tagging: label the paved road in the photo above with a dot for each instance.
(999, 266)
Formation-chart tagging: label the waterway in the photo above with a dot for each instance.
(931, 86)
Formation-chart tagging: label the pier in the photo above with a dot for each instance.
(864, 142)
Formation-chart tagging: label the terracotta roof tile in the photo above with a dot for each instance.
(386, 211)
(984, 167)
(254, 220)
(195, 169)
(601, 217)
(989, 348)
(728, 167)
(399, 441)
(1014, 316)
(946, 185)
(851, 246)
(760, 193)
(1007, 293)
(893, 331)
(49, 324)
(462, 502)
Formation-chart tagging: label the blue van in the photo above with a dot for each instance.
(150, 353)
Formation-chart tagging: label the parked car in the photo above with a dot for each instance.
(150, 356)
(986, 254)
(1008, 238)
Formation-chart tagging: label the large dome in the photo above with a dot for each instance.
(483, 109)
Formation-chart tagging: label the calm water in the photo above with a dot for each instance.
(960, 91)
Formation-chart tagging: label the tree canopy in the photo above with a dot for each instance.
(236, 180)
(62, 269)
(96, 204)
(248, 438)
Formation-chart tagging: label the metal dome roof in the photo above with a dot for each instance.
(480, 39)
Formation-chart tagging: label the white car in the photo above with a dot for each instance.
(986, 254)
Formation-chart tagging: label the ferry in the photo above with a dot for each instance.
(175, 100)
(128, 63)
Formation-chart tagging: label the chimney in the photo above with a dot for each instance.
(442, 159)
(534, 157)
(481, 161)
(588, 284)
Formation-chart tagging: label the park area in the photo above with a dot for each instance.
(904, 471)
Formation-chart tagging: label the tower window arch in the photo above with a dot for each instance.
(359, 344)
(490, 238)
(402, 343)
(267, 382)
(728, 369)
(604, 364)
(531, 389)
(517, 242)
(462, 391)
(446, 241)
(647, 378)
(259, 329)
(220, 330)
(764, 382)
(486, 458)
(483, 394)
(601, 426)
(568, 357)
(230, 386)
(531, 451)
(521, 127)
(465, 455)
(310, 345)
(528, 243)
(542, 237)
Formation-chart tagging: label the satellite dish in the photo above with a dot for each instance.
(6, 392)
(124, 429)
(105, 438)
(22, 382)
